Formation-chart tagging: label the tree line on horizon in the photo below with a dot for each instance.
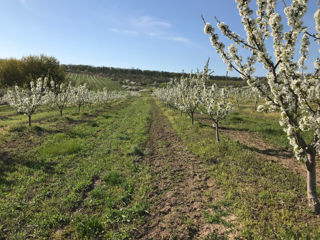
(146, 77)
(20, 72)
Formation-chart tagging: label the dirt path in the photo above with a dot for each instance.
(268, 151)
(182, 187)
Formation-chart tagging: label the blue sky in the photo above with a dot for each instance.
(146, 34)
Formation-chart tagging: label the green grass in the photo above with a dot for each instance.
(61, 144)
(89, 226)
(218, 216)
(268, 200)
(114, 177)
(265, 125)
(78, 179)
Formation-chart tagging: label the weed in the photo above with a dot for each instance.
(99, 193)
(217, 218)
(114, 177)
(134, 151)
(89, 226)
(216, 236)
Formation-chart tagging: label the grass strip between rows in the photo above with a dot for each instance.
(88, 182)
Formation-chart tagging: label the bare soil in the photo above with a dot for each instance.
(182, 188)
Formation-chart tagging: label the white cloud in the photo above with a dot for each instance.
(148, 22)
(149, 26)
(124, 31)
(179, 39)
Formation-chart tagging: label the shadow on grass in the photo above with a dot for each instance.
(269, 151)
(10, 163)
(7, 164)
(203, 124)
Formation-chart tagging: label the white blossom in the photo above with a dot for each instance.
(207, 28)
(26, 101)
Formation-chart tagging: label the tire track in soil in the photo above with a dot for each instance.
(180, 182)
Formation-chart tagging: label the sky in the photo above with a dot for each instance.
(164, 35)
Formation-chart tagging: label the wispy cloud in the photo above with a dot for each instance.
(178, 39)
(149, 26)
(149, 22)
(124, 31)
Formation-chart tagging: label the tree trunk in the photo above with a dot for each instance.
(217, 132)
(79, 106)
(192, 120)
(312, 183)
(60, 112)
(29, 116)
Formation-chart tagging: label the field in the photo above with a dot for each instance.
(94, 81)
(136, 169)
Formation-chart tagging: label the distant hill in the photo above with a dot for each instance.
(144, 77)
(93, 81)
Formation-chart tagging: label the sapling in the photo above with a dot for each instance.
(26, 101)
(60, 96)
(81, 95)
(216, 104)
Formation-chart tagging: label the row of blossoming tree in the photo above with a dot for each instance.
(190, 94)
(27, 101)
(293, 93)
(241, 95)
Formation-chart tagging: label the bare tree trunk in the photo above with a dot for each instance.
(79, 106)
(217, 132)
(60, 112)
(29, 116)
(312, 183)
(192, 118)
